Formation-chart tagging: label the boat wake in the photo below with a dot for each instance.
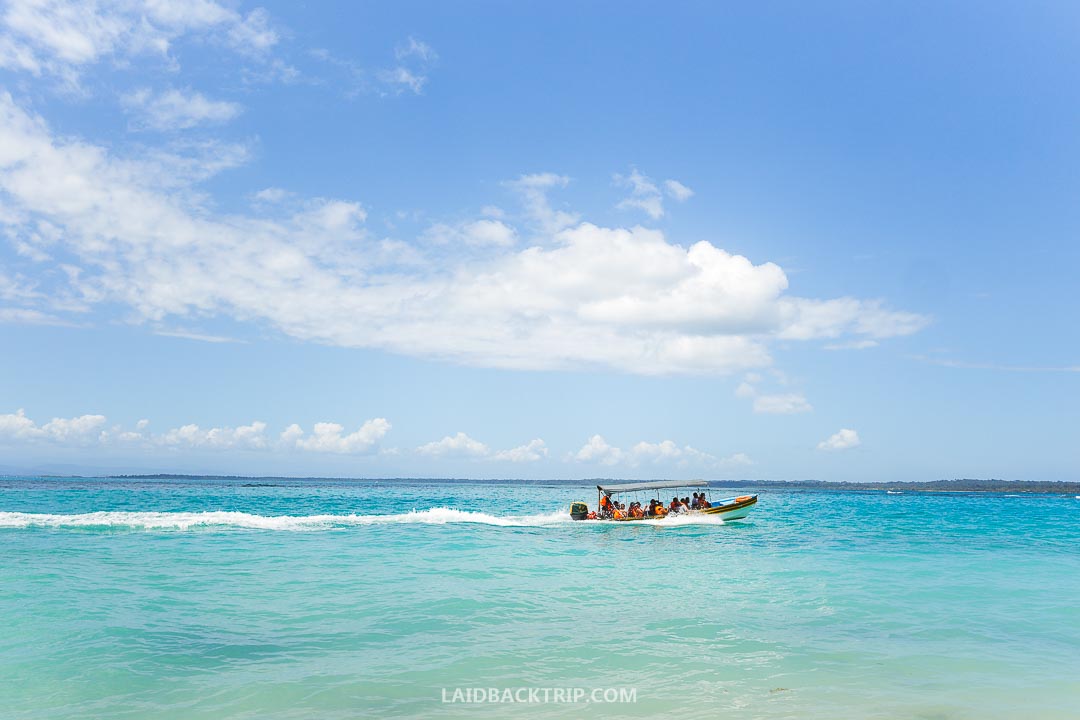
(120, 520)
(195, 520)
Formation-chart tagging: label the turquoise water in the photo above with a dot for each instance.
(297, 599)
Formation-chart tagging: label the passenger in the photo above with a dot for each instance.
(605, 506)
(686, 504)
(617, 514)
(636, 511)
(659, 510)
(675, 505)
(705, 504)
(696, 504)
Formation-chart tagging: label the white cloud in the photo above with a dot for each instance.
(806, 319)
(782, 404)
(271, 195)
(740, 459)
(460, 444)
(415, 59)
(60, 38)
(417, 49)
(772, 404)
(534, 190)
(142, 236)
(478, 233)
(401, 78)
(243, 437)
(177, 110)
(24, 316)
(532, 451)
(66, 431)
(853, 345)
(331, 438)
(463, 446)
(201, 337)
(677, 190)
(665, 452)
(91, 429)
(841, 440)
(644, 194)
(597, 450)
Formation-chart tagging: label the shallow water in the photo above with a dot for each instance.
(283, 599)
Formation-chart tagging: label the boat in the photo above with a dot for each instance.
(731, 508)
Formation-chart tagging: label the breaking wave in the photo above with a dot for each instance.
(191, 520)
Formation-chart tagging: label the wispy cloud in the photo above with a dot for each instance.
(201, 337)
(645, 195)
(580, 295)
(61, 39)
(964, 365)
(772, 403)
(176, 109)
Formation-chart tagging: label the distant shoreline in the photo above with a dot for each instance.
(936, 486)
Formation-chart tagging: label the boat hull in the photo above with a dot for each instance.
(728, 509)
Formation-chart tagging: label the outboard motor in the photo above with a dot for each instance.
(579, 511)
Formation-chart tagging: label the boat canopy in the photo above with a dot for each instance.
(651, 486)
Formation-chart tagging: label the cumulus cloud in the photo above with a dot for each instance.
(60, 38)
(844, 439)
(463, 446)
(460, 444)
(79, 430)
(532, 451)
(177, 110)
(667, 452)
(91, 430)
(579, 296)
(243, 437)
(331, 437)
(597, 450)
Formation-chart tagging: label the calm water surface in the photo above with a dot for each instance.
(297, 599)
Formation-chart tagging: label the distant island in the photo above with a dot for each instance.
(943, 486)
(965, 485)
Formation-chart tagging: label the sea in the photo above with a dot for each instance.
(269, 598)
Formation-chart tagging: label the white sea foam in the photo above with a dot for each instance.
(189, 520)
(219, 519)
(676, 520)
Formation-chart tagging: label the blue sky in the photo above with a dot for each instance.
(541, 240)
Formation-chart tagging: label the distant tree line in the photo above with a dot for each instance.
(958, 485)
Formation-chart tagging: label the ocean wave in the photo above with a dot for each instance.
(193, 520)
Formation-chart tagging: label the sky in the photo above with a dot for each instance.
(831, 240)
